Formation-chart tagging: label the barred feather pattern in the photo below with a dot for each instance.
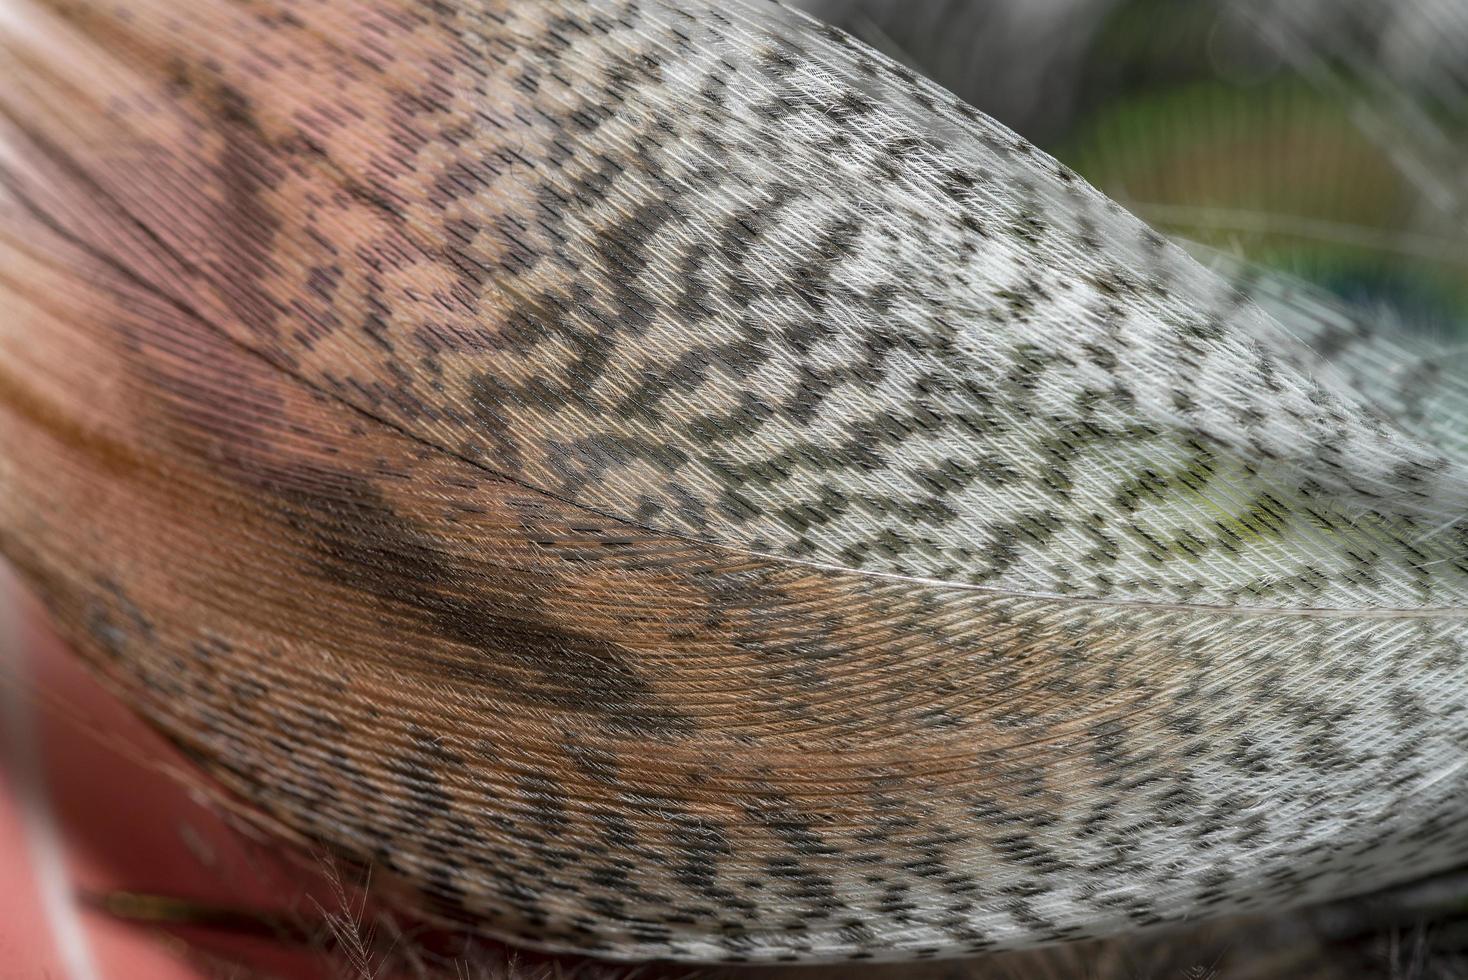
(662, 480)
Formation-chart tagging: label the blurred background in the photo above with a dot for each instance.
(1327, 139)
(1322, 142)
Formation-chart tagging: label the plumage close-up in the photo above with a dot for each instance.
(688, 482)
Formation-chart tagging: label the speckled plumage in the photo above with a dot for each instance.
(663, 481)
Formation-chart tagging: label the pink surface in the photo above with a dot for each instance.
(26, 947)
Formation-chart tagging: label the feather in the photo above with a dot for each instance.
(664, 481)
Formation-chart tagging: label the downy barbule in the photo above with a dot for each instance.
(663, 480)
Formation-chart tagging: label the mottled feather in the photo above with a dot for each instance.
(662, 480)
